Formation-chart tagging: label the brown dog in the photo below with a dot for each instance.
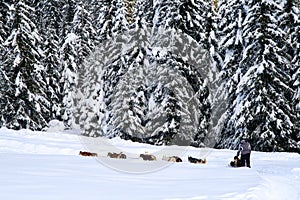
(196, 160)
(116, 155)
(85, 153)
(147, 157)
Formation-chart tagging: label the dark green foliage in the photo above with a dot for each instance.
(261, 108)
(25, 103)
(137, 86)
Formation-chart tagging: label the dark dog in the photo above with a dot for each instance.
(172, 159)
(147, 157)
(85, 153)
(237, 162)
(196, 160)
(116, 155)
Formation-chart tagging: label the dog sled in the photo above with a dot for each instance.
(237, 162)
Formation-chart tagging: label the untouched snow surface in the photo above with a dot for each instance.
(46, 165)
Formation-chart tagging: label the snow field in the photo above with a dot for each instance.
(46, 165)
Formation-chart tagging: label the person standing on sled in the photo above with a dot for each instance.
(245, 151)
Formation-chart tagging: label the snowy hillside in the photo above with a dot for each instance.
(46, 165)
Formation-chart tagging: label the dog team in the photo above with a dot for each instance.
(244, 149)
(146, 156)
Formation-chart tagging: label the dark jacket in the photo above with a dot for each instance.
(244, 148)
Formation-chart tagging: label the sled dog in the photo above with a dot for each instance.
(196, 160)
(147, 157)
(85, 153)
(116, 155)
(172, 158)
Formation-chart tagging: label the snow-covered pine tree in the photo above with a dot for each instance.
(25, 100)
(98, 11)
(231, 15)
(83, 28)
(110, 19)
(4, 26)
(49, 24)
(127, 52)
(3, 18)
(69, 78)
(181, 53)
(105, 68)
(262, 111)
(143, 14)
(290, 24)
(151, 105)
(4, 21)
(129, 102)
(188, 16)
(187, 105)
(90, 107)
(142, 101)
(296, 104)
(168, 19)
(210, 43)
(79, 42)
(195, 19)
(68, 57)
(67, 10)
(119, 23)
(102, 19)
(150, 108)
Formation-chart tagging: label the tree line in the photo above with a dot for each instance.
(253, 47)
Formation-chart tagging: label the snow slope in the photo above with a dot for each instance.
(46, 165)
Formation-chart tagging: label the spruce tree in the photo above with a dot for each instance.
(102, 19)
(292, 33)
(97, 82)
(90, 107)
(69, 60)
(262, 111)
(3, 10)
(4, 18)
(143, 14)
(82, 27)
(119, 23)
(191, 17)
(126, 52)
(110, 19)
(133, 92)
(188, 107)
(50, 24)
(4, 27)
(25, 103)
(231, 15)
(296, 104)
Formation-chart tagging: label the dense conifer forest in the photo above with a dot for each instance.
(109, 67)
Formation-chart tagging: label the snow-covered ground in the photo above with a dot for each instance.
(46, 165)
